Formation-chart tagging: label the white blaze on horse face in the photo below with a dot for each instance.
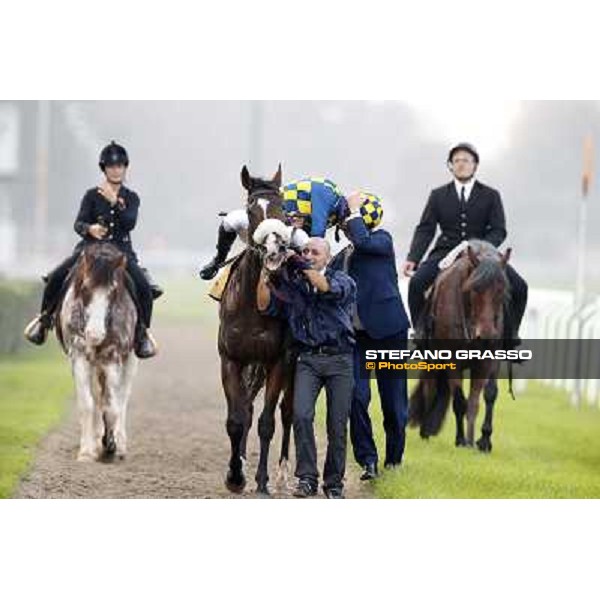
(272, 244)
(274, 255)
(264, 204)
(95, 327)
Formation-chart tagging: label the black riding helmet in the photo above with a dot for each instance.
(113, 154)
(467, 148)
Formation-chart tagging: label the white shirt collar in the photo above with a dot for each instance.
(468, 187)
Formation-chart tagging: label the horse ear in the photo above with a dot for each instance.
(277, 177)
(472, 256)
(506, 256)
(245, 177)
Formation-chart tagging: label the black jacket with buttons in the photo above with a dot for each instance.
(118, 220)
(484, 219)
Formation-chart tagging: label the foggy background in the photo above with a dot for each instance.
(186, 158)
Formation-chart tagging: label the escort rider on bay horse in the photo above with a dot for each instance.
(464, 209)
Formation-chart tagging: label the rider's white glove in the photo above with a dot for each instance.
(449, 259)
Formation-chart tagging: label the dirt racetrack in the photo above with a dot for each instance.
(178, 447)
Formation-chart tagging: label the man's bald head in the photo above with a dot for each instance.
(318, 252)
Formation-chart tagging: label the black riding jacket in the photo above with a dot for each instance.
(118, 220)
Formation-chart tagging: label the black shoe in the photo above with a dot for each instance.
(304, 489)
(225, 240)
(36, 331)
(145, 345)
(156, 290)
(370, 472)
(334, 493)
(210, 270)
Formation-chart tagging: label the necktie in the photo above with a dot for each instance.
(463, 199)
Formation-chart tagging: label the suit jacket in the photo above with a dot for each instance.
(371, 262)
(484, 219)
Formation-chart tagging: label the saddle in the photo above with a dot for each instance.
(129, 284)
(217, 289)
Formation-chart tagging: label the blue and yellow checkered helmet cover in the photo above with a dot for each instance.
(298, 195)
(316, 198)
(320, 197)
(371, 209)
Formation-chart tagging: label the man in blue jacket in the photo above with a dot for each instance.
(317, 302)
(381, 319)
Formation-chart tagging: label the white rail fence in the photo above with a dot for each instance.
(551, 315)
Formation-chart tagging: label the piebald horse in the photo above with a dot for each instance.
(95, 326)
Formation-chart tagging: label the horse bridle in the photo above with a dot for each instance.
(255, 195)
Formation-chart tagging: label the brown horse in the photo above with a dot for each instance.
(252, 346)
(95, 326)
(467, 307)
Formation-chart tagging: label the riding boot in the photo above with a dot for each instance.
(511, 328)
(224, 242)
(145, 345)
(156, 290)
(423, 327)
(37, 329)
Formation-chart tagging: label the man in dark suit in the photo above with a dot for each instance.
(380, 318)
(464, 209)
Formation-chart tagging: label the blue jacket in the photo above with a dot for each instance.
(372, 265)
(316, 197)
(315, 318)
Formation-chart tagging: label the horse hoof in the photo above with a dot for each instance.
(484, 445)
(86, 457)
(235, 484)
(282, 476)
(460, 443)
(109, 443)
(263, 492)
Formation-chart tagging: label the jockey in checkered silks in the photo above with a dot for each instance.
(311, 204)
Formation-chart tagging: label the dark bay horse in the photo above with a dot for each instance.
(96, 326)
(467, 306)
(253, 347)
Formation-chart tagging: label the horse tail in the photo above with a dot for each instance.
(429, 404)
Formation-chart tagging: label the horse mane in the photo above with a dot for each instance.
(489, 271)
(259, 184)
(98, 265)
